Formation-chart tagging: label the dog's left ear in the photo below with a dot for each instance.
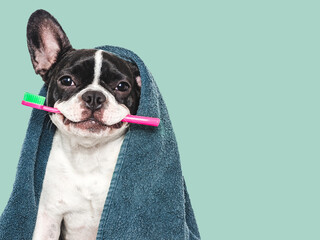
(46, 41)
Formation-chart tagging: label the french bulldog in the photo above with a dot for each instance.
(94, 90)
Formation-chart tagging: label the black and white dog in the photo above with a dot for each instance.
(94, 91)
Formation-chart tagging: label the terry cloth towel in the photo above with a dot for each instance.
(147, 198)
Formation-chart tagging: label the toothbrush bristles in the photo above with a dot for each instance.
(28, 97)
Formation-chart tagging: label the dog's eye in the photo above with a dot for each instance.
(66, 81)
(123, 86)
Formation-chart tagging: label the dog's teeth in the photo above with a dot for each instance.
(66, 121)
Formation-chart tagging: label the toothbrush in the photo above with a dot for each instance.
(37, 102)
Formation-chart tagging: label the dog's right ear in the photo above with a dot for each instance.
(46, 41)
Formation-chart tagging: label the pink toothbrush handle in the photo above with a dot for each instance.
(41, 107)
(129, 118)
(142, 120)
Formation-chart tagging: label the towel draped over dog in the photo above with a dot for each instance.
(147, 198)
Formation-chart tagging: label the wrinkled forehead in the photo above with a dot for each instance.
(87, 66)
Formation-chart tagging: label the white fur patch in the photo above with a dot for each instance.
(138, 79)
(75, 187)
(97, 67)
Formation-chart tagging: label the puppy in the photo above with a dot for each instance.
(94, 91)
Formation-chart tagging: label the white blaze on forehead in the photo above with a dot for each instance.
(97, 67)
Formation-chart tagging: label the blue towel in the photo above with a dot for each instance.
(147, 198)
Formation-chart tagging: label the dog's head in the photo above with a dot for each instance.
(94, 90)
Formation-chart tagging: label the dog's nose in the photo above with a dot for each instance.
(94, 99)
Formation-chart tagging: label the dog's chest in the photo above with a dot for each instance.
(77, 181)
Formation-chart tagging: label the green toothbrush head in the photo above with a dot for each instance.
(32, 98)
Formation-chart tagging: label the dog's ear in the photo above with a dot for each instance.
(46, 41)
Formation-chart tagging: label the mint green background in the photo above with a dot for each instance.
(241, 81)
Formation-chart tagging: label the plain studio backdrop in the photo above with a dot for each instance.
(241, 82)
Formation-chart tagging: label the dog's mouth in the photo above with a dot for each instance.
(91, 124)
